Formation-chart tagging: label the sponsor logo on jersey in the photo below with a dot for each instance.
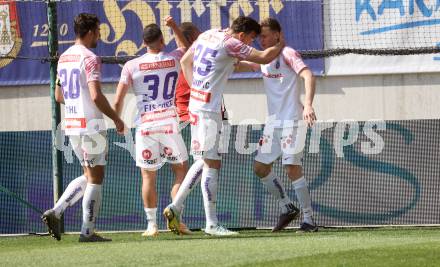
(75, 123)
(195, 145)
(273, 76)
(91, 210)
(157, 65)
(149, 161)
(200, 95)
(69, 58)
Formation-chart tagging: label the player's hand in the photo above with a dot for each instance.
(120, 127)
(169, 21)
(309, 115)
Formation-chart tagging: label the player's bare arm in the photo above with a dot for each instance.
(121, 92)
(309, 83)
(101, 102)
(187, 66)
(178, 35)
(267, 55)
(246, 66)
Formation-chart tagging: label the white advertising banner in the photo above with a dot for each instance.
(386, 24)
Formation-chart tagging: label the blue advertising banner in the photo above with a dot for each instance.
(24, 29)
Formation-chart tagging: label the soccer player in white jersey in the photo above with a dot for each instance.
(207, 66)
(153, 77)
(79, 89)
(280, 134)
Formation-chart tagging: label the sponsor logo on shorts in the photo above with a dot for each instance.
(90, 162)
(195, 145)
(263, 140)
(75, 123)
(170, 158)
(168, 151)
(146, 154)
(149, 161)
(287, 141)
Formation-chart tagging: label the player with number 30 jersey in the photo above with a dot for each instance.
(153, 77)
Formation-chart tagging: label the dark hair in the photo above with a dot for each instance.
(245, 25)
(151, 33)
(273, 24)
(188, 29)
(83, 23)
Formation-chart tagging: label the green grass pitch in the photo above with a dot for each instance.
(348, 247)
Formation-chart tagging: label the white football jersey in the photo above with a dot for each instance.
(153, 78)
(215, 53)
(76, 67)
(280, 83)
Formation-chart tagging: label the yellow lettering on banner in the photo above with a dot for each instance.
(234, 10)
(185, 11)
(165, 11)
(214, 7)
(277, 5)
(118, 23)
(199, 7)
(127, 47)
(264, 7)
(116, 20)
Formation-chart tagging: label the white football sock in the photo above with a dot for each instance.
(73, 192)
(151, 216)
(209, 191)
(303, 196)
(276, 189)
(91, 204)
(191, 180)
